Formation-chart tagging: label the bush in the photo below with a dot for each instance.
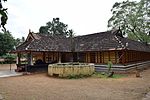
(9, 58)
(76, 76)
(105, 75)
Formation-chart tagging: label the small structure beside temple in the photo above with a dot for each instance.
(97, 48)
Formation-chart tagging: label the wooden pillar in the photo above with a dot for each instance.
(100, 54)
(30, 59)
(44, 57)
(96, 57)
(103, 57)
(53, 56)
(87, 57)
(72, 57)
(109, 56)
(127, 60)
(59, 58)
(116, 57)
(99, 59)
(18, 61)
(123, 57)
(89, 60)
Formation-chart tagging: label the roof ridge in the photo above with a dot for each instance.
(29, 44)
(94, 33)
(120, 42)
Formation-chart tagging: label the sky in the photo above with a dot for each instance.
(83, 16)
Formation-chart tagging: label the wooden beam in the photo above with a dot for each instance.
(18, 61)
(59, 58)
(89, 57)
(86, 57)
(116, 57)
(108, 55)
(103, 56)
(96, 57)
(99, 59)
(44, 57)
(100, 55)
(123, 57)
(30, 59)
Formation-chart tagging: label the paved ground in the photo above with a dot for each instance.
(6, 72)
(43, 87)
(9, 73)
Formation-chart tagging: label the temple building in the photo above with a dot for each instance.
(97, 48)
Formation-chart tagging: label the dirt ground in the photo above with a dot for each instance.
(43, 87)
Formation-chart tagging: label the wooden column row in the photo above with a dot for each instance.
(87, 57)
(46, 56)
(135, 56)
(103, 57)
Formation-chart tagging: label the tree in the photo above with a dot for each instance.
(3, 13)
(7, 42)
(55, 27)
(9, 58)
(133, 18)
(19, 41)
(71, 33)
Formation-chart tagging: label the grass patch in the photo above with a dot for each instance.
(77, 76)
(105, 75)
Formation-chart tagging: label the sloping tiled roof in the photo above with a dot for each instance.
(97, 42)
(45, 42)
(102, 41)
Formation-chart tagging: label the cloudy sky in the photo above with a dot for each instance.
(83, 16)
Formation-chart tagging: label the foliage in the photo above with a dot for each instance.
(55, 28)
(109, 66)
(133, 18)
(110, 73)
(9, 57)
(76, 76)
(3, 13)
(19, 41)
(104, 75)
(7, 42)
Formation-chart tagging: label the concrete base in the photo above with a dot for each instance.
(124, 68)
(68, 69)
(9, 73)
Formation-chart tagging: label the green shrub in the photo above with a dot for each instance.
(105, 75)
(77, 76)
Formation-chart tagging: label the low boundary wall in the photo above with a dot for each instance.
(124, 68)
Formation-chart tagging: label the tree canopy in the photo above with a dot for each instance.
(7, 42)
(133, 18)
(3, 13)
(19, 41)
(55, 27)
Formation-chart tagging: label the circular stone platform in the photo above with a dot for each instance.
(67, 69)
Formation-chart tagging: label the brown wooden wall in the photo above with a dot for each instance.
(135, 56)
(101, 57)
(45, 56)
(122, 57)
(116, 57)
